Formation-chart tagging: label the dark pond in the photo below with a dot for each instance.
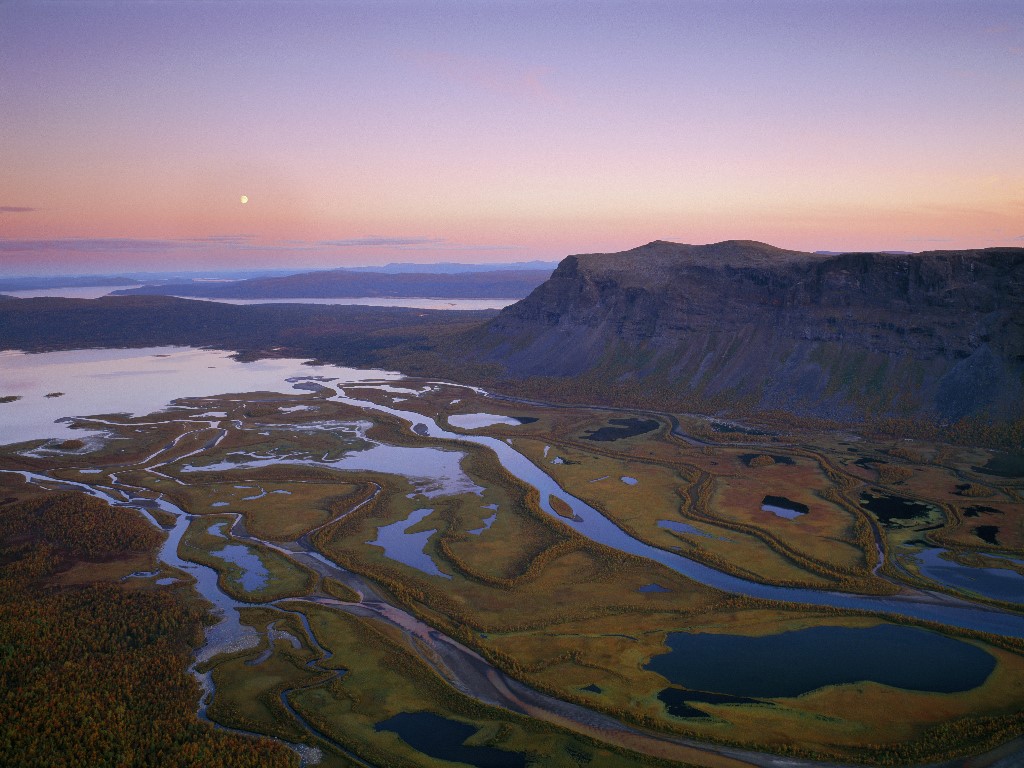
(792, 663)
(677, 701)
(891, 508)
(443, 739)
(1003, 465)
(746, 458)
(979, 509)
(784, 507)
(675, 704)
(653, 588)
(526, 419)
(591, 689)
(618, 429)
(987, 533)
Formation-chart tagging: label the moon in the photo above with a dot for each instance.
(244, 199)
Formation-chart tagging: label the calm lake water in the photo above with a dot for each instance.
(375, 301)
(363, 301)
(445, 739)
(996, 583)
(792, 663)
(134, 381)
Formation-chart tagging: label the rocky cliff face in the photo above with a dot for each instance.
(937, 334)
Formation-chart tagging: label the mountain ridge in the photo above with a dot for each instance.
(937, 334)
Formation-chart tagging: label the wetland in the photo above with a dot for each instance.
(386, 591)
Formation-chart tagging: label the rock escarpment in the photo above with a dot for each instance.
(938, 334)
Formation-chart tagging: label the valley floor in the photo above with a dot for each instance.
(413, 573)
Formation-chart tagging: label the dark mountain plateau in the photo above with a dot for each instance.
(938, 335)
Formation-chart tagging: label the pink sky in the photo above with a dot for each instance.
(371, 132)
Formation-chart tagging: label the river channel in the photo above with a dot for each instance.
(85, 378)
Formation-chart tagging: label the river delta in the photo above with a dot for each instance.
(413, 572)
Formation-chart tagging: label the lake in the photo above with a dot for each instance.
(363, 301)
(792, 663)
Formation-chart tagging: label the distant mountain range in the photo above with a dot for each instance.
(485, 284)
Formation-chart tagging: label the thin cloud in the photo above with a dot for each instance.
(246, 243)
(413, 244)
(84, 245)
(16, 209)
(118, 244)
(383, 242)
(223, 239)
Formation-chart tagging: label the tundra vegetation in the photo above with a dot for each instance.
(94, 659)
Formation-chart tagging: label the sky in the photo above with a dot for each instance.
(369, 132)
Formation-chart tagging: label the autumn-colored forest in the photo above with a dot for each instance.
(96, 674)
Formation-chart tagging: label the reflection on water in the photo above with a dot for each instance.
(91, 292)
(596, 526)
(433, 471)
(478, 420)
(995, 583)
(254, 574)
(783, 507)
(134, 381)
(793, 663)
(375, 301)
(488, 522)
(445, 739)
(408, 548)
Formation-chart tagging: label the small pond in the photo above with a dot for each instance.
(408, 548)
(618, 429)
(892, 510)
(478, 420)
(487, 522)
(677, 701)
(979, 509)
(783, 507)
(792, 663)
(653, 588)
(987, 533)
(444, 739)
(254, 574)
